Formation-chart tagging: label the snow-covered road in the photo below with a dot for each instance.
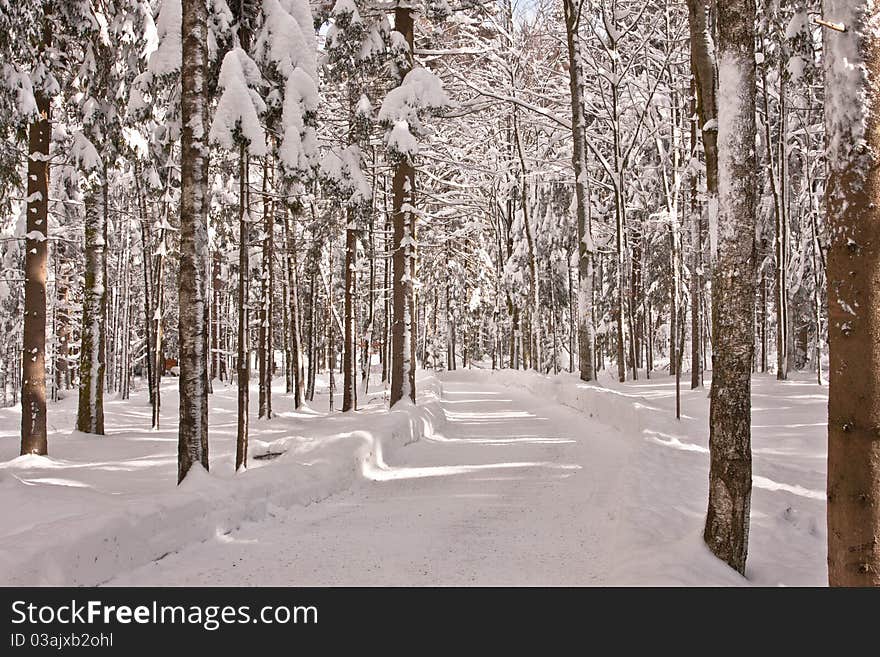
(512, 490)
(509, 477)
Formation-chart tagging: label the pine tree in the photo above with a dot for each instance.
(419, 91)
(354, 50)
(285, 51)
(236, 127)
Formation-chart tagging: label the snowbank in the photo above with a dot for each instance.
(627, 411)
(74, 529)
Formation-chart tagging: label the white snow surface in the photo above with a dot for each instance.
(495, 478)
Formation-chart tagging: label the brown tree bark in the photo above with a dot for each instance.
(90, 409)
(370, 320)
(733, 291)
(159, 328)
(311, 347)
(243, 369)
(780, 230)
(403, 371)
(124, 367)
(147, 257)
(783, 338)
(852, 69)
(696, 266)
(349, 349)
(265, 350)
(216, 316)
(293, 310)
(331, 337)
(192, 278)
(33, 390)
(703, 67)
(62, 323)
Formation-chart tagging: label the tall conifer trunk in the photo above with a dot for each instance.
(852, 72)
(733, 290)
(192, 277)
(403, 371)
(92, 363)
(33, 389)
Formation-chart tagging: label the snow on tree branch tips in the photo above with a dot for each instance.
(341, 171)
(283, 42)
(299, 145)
(239, 107)
(166, 58)
(84, 153)
(420, 92)
(20, 83)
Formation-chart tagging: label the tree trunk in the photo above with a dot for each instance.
(147, 257)
(265, 351)
(386, 299)
(293, 318)
(450, 319)
(125, 324)
(852, 68)
(762, 281)
(733, 289)
(243, 369)
(403, 371)
(159, 360)
(636, 292)
(216, 274)
(696, 268)
(779, 235)
(783, 343)
(620, 280)
(369, 329)
(585, 333)
(311, 347)
(331, 342)
(349, 349)
(90, 412)
(818, 262)
(534, 334)
(192, 278)
(704, 68)
(33, 355)
(62, 323)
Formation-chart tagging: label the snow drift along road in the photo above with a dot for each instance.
(76, 520)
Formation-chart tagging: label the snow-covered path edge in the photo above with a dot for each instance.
(627, 412)
(659, 541)
(85, 551)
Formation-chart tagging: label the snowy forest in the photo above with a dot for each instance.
(586, 285)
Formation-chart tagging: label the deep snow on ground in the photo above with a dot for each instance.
(496, 478)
